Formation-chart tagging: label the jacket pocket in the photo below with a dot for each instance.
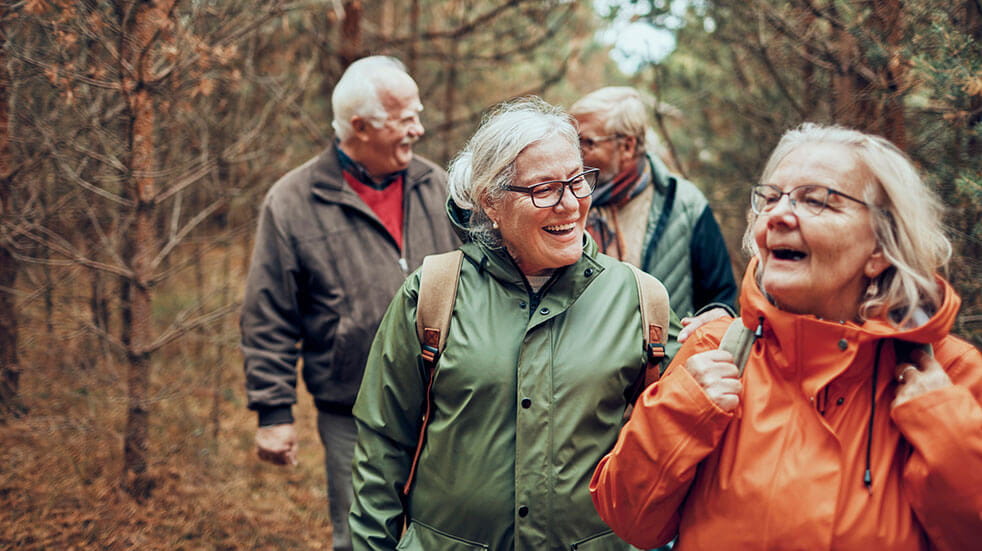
(420, 537)
(604, 541)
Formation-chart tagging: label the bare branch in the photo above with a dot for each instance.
(176, 239)
(180, 328)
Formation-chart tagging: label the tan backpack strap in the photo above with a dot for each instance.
(653, 299)
(738, 341)
(437, 293)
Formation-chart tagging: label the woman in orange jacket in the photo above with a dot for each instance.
(839, 434)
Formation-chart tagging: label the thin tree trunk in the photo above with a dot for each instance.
(9, 267)
(350, 49)
(138, 34)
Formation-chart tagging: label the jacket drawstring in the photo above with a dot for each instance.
(867, 475)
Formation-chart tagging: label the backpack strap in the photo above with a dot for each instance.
(738, 341)
(437, 293)
(653, 300)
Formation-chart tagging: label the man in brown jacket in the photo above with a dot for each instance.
(336, 238)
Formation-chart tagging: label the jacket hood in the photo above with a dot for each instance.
(754, 306)
(815, 351)
(459, 218)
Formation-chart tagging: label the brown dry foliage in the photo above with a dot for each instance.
(61, 463)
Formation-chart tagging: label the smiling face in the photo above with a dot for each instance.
(819, 264)
(389, 148)
(541, 240)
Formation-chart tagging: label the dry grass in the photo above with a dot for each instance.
(61, 464)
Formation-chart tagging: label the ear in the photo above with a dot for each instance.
(489, 209)
(359, 125)
(627, 148)
(876, 264)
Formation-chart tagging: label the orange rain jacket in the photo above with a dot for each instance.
(786, 471)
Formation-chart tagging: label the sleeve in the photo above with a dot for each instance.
(387, 412)
(943, 476)
(712, 273)
(639, 487)
(270, 323)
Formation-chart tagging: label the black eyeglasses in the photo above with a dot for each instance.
(812, 198)
(548, 194)
(590, 144)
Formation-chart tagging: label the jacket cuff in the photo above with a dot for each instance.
(275, 415)
(729, 309)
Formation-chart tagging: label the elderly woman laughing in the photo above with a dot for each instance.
(845, 431)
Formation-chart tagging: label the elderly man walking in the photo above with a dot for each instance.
(336, 238)
(644, 214)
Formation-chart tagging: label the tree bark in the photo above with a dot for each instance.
(350, 49)
(9, 267)
(139, 33)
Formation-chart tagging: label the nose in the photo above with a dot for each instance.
(568, 201)
(416, 128)
(782, 213)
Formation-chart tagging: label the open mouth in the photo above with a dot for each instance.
(560, 229)
(788, 254)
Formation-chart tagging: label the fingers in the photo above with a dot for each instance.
(921, 375)
(277, 444)
(905, 371)
(719, 378)
(689, 325)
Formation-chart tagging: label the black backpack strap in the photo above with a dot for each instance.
(434, 308)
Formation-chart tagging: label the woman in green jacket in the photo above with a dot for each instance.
(543, 354)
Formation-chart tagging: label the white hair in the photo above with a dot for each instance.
(906, 219)
(479, 174)
(357, 92)
(624, 111)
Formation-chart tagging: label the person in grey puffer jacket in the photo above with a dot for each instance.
(644, 214)
(337, 236)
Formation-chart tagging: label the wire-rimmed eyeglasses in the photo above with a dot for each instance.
(589, 144)
(811, 198)
(548, 194)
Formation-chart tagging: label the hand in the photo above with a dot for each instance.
(718, 376)
(689, 325)
(277, 444)
(922, 374)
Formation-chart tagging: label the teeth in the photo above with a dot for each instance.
(562, 227)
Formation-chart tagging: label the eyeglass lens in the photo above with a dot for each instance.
(812, 199)
(548, 194)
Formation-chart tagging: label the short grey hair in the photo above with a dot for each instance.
(623, 109)
(357, 92)
(486, 165)
(906, 216)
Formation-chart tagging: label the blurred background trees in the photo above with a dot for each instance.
(137, 138)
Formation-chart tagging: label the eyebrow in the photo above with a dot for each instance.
(544, 179)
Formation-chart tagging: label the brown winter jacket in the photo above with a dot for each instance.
(323, 271)
(787, 470)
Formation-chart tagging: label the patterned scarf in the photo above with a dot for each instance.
(601, 222)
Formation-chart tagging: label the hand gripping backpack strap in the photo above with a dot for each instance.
(738, 341)
(653, 300)
(434, 307)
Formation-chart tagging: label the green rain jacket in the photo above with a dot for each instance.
(529, 394)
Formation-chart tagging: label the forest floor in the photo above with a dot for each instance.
(61, 463)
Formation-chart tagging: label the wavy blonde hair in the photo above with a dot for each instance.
(906, 219)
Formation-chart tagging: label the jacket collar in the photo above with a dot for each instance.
(329, 185)
(565, 286)
(818, 350)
